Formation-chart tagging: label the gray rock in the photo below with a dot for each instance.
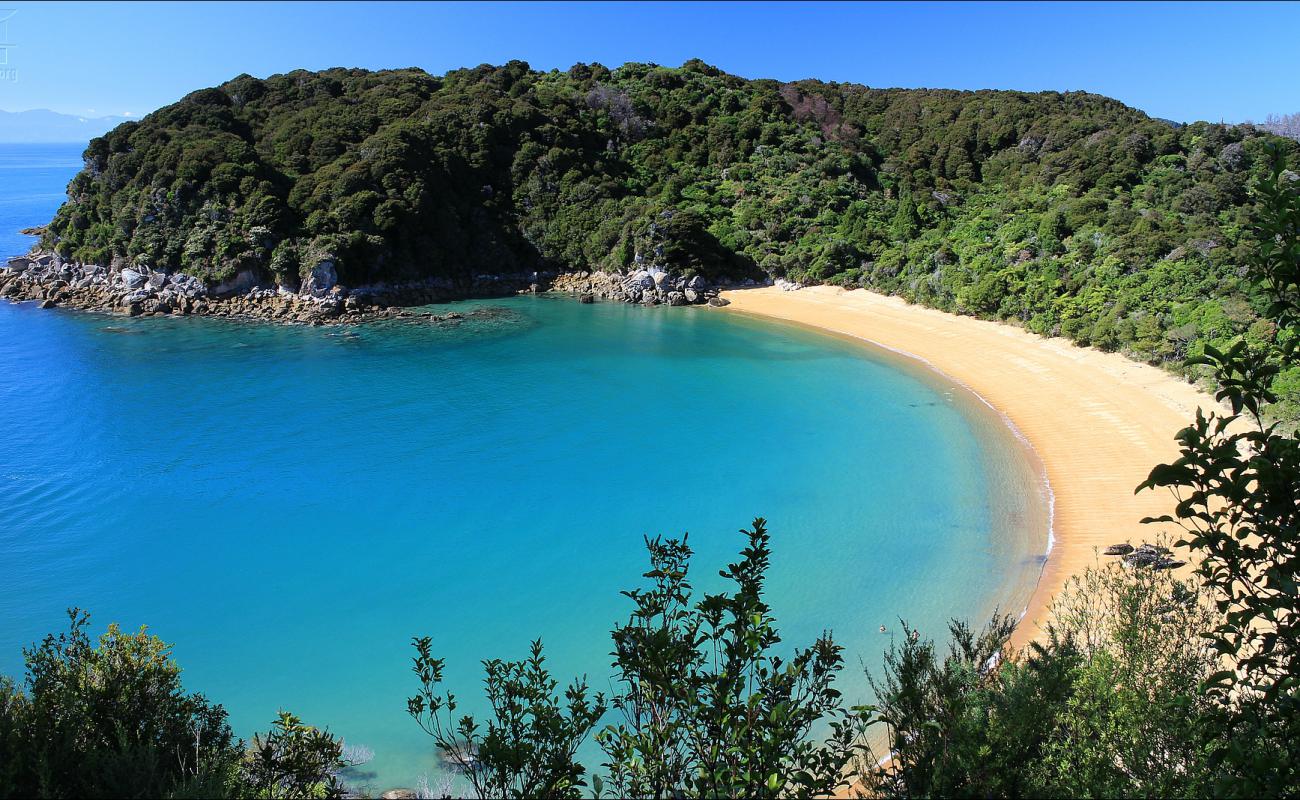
(133, 279)
(719, 302)
(242, 282)
(676, 299)
(692, 296)
(321, 279)
(187, 285)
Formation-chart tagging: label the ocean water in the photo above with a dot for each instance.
(291, 505)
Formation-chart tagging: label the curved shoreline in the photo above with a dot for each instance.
(1097, 421)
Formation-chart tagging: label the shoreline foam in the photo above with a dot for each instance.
(1097, 421)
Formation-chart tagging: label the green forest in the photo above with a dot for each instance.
(1069, 213)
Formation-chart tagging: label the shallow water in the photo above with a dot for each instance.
(291, 505)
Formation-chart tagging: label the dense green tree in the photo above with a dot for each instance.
(1106, 705)
(110, 718)
(292, 760)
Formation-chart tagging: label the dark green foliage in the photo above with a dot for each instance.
(108, 720)
(111, 719)
(1071, 214)
(709, 709)
(292, 760)
(1237, 482)
(1107, 705)
(530, 744)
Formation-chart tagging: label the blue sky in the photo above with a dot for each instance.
(1180, 61)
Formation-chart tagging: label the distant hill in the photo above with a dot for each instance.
(42, 125)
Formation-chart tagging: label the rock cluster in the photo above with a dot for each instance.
(1144, 555)
(647, 286)
(140, 291)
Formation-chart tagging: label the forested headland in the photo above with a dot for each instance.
(1068, 213)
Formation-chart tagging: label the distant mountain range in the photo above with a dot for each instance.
(42, 125)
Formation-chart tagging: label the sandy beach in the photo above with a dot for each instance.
(1098, 421)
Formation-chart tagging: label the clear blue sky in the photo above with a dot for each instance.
(1188, 61)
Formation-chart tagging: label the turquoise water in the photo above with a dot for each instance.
(291, 505)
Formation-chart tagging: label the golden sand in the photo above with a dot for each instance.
(1097, 421)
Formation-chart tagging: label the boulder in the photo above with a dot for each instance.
(133, 279)
(719, 302)
(1119, 549)
(692, 296)
(676, 299)
(321, 279)
(587, 297)
(242, 282)
(49, 303)
(187, 285)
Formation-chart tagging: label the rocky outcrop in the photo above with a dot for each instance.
(647, 287)
(1144, 555)
(140, 291)
(321, 279)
